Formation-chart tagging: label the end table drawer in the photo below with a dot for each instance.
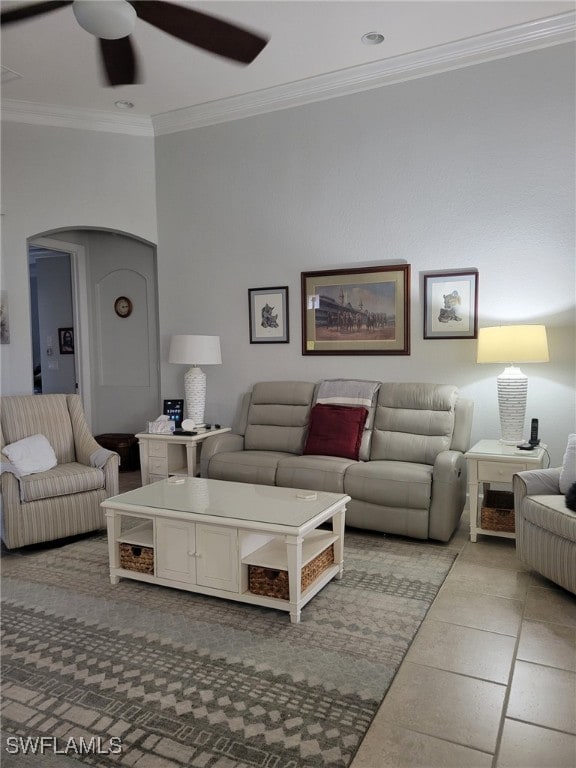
(492, 471)
(157, 448)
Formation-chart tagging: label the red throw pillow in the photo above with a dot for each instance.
(336, 430)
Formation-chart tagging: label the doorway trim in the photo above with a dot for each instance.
(80, 311)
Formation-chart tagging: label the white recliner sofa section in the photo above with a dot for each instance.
(410, 475)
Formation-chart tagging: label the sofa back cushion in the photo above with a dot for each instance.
(278, 416)
(413, 422)
(48, 415)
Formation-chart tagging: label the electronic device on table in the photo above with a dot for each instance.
(534, 439)
(174, 409)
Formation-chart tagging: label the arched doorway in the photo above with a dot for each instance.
(117, 354)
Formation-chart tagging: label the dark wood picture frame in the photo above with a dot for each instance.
(66, 341)
(451, 304)
(269, 315)
(364, 311)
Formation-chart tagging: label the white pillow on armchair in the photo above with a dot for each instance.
(30, 455)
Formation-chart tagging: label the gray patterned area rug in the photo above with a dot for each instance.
(147, 676)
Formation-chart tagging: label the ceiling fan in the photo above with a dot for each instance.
(112, 22)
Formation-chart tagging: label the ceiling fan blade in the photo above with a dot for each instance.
(119, 59)
(28, 11)
(200, 29)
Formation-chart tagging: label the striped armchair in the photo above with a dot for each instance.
(62, 501)
(545, 527)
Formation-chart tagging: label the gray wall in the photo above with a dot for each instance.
(472, 168)
(62, 178)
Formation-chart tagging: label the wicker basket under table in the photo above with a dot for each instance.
(497, 512)
(136, 558)
(274, 583)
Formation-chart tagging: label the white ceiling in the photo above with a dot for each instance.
(57, 62)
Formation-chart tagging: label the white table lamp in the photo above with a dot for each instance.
(195, 351)
(512, 344)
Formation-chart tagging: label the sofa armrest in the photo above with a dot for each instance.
(534, 482)
(224, 443)
(448, 494)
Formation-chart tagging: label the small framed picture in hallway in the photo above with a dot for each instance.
(66, 341)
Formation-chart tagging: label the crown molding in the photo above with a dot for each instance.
(522, 38)
(68, 117)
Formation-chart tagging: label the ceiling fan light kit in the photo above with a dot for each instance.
(113, 21)
(108, 19)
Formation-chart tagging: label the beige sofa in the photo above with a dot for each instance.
(410, 475)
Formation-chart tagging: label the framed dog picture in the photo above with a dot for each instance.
(451, 305)
(268, 308)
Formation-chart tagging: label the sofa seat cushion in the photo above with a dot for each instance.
(551, 514)
(316, 473)
(62, 480)
(257, 467)
(390, 483)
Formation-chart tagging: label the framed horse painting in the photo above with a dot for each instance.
(363, 311)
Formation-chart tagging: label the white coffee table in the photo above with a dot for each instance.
(202, 535)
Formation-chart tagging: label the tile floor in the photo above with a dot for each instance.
(490, 679)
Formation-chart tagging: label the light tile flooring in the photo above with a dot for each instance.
(490, 679)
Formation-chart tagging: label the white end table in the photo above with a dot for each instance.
(490, 461)
(163, 456)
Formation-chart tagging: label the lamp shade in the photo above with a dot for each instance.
(195, 350)
(512, 344)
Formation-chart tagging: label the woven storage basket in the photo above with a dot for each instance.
(133, 558)
(498, 511)
(273, 583)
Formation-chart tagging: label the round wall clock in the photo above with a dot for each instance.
(123, 306)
